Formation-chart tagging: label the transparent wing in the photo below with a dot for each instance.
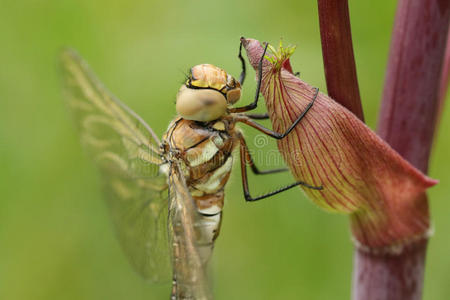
(190, 277)
(126, 150)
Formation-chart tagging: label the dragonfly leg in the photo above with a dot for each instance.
(248, 197)
(246, 120)
(254, 104)
(243, 73)
(249, 160)
(258, 116)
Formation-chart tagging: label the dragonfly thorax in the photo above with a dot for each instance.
(207, 93)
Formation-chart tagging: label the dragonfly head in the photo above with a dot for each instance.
(207, 93)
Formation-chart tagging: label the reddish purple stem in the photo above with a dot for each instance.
(386, 277)
(338, 58)
(410, 98)
(407, 122)
(444, 77)
(407, 119)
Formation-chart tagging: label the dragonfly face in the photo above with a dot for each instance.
(166, 198)
(207, 93)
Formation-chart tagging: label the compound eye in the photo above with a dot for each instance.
(202, 105)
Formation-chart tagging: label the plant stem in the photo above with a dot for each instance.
(410, 98)
(407, 119)
(407, 122)
(444, 77)
(378, 276)
(338, 58)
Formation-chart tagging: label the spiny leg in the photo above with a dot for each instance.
(254, 104)
(246, 120)
(243, 158)
(243, 73)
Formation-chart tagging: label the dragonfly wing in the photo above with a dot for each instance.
(189, 271)
(140, 217)
(126, 150)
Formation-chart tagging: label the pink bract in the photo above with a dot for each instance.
(360, 173)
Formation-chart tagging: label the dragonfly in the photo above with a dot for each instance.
(166, 196)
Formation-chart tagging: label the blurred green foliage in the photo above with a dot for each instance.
(55, 235)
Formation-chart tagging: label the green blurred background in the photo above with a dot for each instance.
(56, 241)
